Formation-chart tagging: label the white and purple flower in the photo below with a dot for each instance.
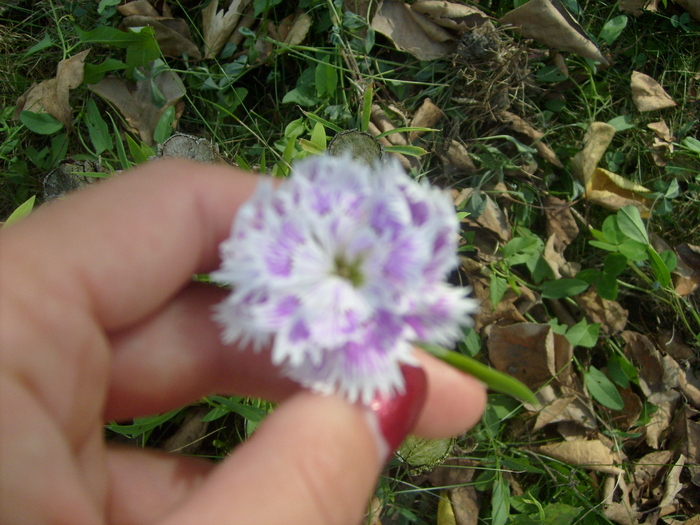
(337, 269)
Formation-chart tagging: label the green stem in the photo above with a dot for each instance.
(494, 379)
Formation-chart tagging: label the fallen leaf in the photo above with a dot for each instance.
(138, 8)
(427, 116)
(172, 34)
(596, 140)
(411, 31)
(218, 25)
(637, 7)
(686, 438)
(589, 454)
(660, 421)
(188, 437)
(672, 344)
(530, 352)
(458, 17)
(134, 101)
(673, 482)
(611, 316)
(692, 6)
(560, 222)
(649, 466)
(491, 218)
(301, 23)
(647, 93)
(550, 23)
(52, 96)
(560, 403)
(617, 506)
(614, 192)
(458, 156)
(520, 125)
(464, 505)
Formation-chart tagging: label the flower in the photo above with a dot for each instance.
(337, 269)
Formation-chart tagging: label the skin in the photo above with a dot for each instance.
(99, 320)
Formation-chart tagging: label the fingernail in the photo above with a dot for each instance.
(392, 418)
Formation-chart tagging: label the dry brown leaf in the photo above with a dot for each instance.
(301, 23)
(589, 454)
(688, 268)
(561, 404)
(659, 423)
(611, 316)
(673, 483)
(407, 30)
(138, 8)
(613, 192)
(648, 467)
(692, 6)
(458, 17)
(560, 222)
(637, 7)
(135, 103)
(492, 218)
(52, 96)
(642, 350)
(595, 142)
(458, 156)
(427, 116)
(172, 34)
(531, 352)
(647, 93)
(550, 23)
(219, 25)
(520, 125)
(464, 505)
(685, 437)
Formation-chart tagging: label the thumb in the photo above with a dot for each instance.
(315, 460)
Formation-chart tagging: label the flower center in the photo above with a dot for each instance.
(350, 271)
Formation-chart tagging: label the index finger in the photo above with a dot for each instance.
(128, 248)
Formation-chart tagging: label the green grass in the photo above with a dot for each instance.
(269, 104)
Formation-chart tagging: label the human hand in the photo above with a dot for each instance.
(99, 320)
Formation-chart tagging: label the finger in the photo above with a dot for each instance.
(124, 248)
(145, 485)
(313, 461)
(176, 357)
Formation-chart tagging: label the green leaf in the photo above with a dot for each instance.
(139, 152)
(661, 271)
(633, 250)
(318, 120)
(366, 108)
(500, 502)
(140, 53)
(613, 28)
(607, 286)
(326, 77)
(40, 45)
(164, 127)
(630, 223)
(669, 258)
(93, 73)
(491, 377)
(98, 129)
(583, 334)
(21, 211)
(497, 288)
(614, 264)
(108, 36)
(622, 123)
(602, 389)
(249, 412)
(692, 144)
(318, 136)
(563, 288)
(407, 129)
(519, 244)
(413, 151)
(611, 231)
(41, 123)
(616, 373)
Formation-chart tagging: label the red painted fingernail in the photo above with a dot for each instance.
(394, 417)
